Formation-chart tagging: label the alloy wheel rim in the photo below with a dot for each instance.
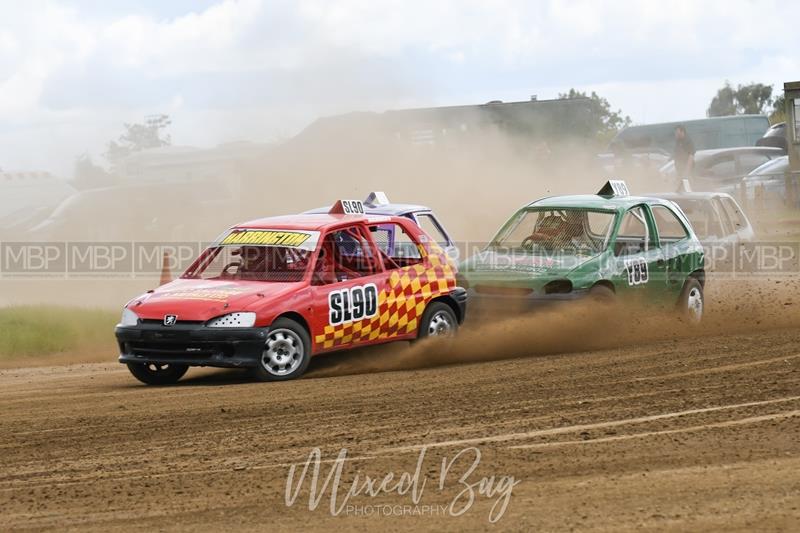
(440, 325)
(283, 352)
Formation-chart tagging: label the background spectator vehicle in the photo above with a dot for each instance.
(766, 185)
(716, 168)
(775, 137)
(707, 133)
(715, 216)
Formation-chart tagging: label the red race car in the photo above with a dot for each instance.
(271, 293)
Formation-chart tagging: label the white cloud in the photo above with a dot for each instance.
(38, 42)
(214, 40)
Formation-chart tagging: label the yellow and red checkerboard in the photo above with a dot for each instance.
(400, 305)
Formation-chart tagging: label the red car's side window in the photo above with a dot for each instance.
(344, 254)
(397, 247)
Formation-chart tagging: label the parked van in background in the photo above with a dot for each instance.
(707, 133)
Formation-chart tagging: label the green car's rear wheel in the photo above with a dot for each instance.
(691, 303)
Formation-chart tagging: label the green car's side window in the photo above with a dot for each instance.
(669, 226)
(633, 236)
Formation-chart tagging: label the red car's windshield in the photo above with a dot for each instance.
(257, 254)
(251, 263)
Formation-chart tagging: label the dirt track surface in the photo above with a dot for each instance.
(673, 434)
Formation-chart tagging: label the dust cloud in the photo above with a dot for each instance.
(732, 307)
(473, 179)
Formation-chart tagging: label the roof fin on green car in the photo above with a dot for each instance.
(614, 188)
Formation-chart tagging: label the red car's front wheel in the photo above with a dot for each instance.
(287, 352)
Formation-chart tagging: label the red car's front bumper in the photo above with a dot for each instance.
(193, 344)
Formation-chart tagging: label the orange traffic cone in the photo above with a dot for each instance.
(166, 275)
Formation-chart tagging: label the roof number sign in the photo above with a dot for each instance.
(614, 188)
(352, 207)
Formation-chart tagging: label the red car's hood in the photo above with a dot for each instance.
(197, 299)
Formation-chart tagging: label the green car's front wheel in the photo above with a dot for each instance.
(602, 294)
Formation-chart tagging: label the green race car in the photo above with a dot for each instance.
(606, 246)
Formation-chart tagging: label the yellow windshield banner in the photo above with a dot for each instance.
(291, 239)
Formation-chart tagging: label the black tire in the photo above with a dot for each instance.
(438, 320)
(602, 294)
(157, 373)
(286, 354)
(688, 307)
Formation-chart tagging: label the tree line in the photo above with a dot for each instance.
(749, 99)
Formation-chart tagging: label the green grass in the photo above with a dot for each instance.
(34, 331)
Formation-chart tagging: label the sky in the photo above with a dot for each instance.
(71, 72)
